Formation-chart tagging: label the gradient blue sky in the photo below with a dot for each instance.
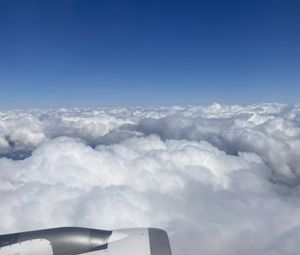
(107, 52)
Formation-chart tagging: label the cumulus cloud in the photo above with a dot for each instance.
(221, 179)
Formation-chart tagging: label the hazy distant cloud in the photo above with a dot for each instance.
(220, 179)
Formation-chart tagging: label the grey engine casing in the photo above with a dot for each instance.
(73, 241)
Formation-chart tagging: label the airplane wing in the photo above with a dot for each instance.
(73, 241)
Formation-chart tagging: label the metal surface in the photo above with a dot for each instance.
(64, 241)
(134, 241)
(73, 241)
(159, 242)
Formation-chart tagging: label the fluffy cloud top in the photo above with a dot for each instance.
(221, 179)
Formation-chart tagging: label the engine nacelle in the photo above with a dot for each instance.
(73, 241)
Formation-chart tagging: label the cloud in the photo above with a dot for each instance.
(221, 179)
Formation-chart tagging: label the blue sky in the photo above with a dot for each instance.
(108, 53)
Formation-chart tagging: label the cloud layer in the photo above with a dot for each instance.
(221, 179)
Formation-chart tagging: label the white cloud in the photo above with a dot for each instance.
(220, 179)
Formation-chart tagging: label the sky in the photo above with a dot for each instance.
(148, 53)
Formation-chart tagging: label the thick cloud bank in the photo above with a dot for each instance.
(221, 179)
